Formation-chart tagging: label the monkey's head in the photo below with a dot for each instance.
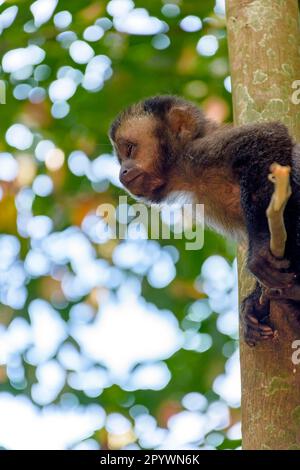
(151, 139)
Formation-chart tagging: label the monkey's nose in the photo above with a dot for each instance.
(129, 174)
(124, 174)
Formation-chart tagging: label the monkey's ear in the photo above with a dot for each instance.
(181, 120)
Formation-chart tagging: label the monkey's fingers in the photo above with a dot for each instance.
(255, 333)
(253, 329)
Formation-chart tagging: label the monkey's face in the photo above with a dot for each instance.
(139, 154)
(151, 139)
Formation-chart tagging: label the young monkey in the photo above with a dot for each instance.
(166, 145)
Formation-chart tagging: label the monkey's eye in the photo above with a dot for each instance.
(129, 150)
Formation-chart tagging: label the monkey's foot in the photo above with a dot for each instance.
(255, 331)
(255, 320)
(270, 271)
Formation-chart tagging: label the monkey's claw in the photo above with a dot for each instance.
(271, 272)
(255, 320)
(254, 331)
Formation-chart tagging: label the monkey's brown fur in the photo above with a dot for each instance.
(166, 144)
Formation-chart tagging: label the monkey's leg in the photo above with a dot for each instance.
(254, 317)
(256, 193)
(292, 224)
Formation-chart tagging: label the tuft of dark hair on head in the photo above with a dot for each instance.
(157, 106)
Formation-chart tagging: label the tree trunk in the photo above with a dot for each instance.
(264, 49)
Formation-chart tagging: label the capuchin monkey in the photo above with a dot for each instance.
(166, 145)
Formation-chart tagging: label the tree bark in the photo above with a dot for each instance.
(263, 38)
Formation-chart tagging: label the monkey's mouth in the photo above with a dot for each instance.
(140, 185)
(127, 175)
(134, 178)
(153, 194)
(134, 184)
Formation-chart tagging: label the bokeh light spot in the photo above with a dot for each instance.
(54, 159)
(19, 136)
(207, 45)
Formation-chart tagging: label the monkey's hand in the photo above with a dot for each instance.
(271, 272)
(255, 318)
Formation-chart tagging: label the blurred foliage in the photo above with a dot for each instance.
(138, 70)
